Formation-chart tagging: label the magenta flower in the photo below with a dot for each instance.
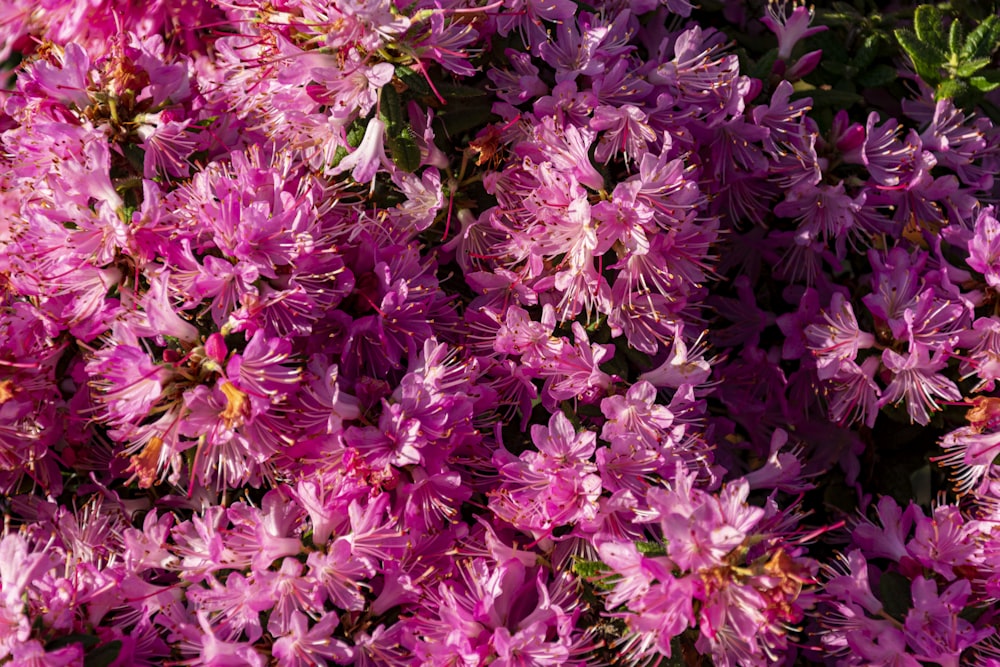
(306, 646)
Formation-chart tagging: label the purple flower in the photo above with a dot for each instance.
(984, 247)
(789, 29)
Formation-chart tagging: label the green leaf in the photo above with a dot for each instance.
(927, 23)
(413, 80)
(972, 614)
(950, 89)
(764, 66)
(833, 67)
(652, 549)
(589, 569)
(391, 108)
(956, 37)
(399, 136)
(866, 53)
(927, 60)
(136, 156)
(878, 76)
(356, 132)
(894, 589)
(970, 67)
(982, 41)
(984, 84)
(104, 655)
(339, 154)
(457, 121)
(403, 147)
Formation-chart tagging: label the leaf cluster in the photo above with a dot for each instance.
(955, 63)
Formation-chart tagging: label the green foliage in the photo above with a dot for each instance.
(949, 60)
(399, 136)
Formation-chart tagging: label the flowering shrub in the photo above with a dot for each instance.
(503, 332)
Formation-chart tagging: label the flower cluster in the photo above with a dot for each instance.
(489, 332)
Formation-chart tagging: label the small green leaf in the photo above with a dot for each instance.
(589, 569)
(894, 589)
(927, 60)
(956, 37)
(356, 132)
(984, 84)
(866, 53)
(652, 549)
(970, 67)
(950, 89)
(982, 41)
(927, 23)
(339, 154)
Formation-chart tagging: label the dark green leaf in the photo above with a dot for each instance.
(391, 109)
(956, 37)
(403, 147)
(927, 60)
(927, 22)
(972, 614)
(970, 67)
(104, 655)
(894, 590)
(866, 53)
(451, 91)
(834, 67)
(459, 120)
(413, 80)
(878, 76)
(763, 67)
(135, 156)
(982, 41)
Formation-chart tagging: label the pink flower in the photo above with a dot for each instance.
(789, 29)
(307, 647)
